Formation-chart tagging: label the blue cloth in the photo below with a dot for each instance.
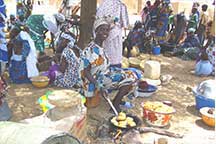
(203, 68)
(191, 41)
(18, 69)
(2, 11)
(164, 18)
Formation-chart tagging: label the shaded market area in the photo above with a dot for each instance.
(107, 71)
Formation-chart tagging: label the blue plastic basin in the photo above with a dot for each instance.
(202, 101)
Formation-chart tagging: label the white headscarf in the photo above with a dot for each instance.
(101, 21)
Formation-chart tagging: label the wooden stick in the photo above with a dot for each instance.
(159, 131)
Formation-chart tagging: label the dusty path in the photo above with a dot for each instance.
(185, 121)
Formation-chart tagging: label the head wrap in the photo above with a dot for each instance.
(59, 17)
(70, 38)
(191, 30)
(101, 21)
(67, 36)
(50, 23)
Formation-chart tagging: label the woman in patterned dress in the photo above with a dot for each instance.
(3, 42)
(69, 67)
(96, 73)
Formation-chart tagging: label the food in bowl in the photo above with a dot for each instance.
(40, 81)
(158, 107)
(211, 111)
(208, 116)
(143, 84)
(157, 114)
(123, 121)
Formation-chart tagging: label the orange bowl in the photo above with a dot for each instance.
(207, 118)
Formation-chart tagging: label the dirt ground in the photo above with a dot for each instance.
(187, 121)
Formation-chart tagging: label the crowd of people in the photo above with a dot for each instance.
(97, 68)
(176, 35)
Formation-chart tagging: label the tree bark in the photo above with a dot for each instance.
(88, 11)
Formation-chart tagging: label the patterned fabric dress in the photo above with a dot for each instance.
(34, 22)
(3, 42)
(18, 68)
(71, 75)
(162, 24)
(211, 54)
(113, 44)
(106, 76)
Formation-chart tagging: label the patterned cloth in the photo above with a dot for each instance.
(191, 41)
(34, 22)
(163, 20)
(193, 22)
(71, 75)
(113, 44)
(3, 47)
(106, 76)
(136, 38)
(3, 42)
(211, 54)
(18, 68)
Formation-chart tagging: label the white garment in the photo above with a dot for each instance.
(31, 59)
(113, 44)
(50, 23)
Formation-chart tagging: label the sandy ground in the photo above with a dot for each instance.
(187, 121)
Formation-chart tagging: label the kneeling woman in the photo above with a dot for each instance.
(96, 73)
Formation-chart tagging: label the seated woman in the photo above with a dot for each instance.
(190, 48)
(63, 41)
(68, 74)
(204, 67)
(135, 38)
(96, 73)
(22, 54)
(210, 46)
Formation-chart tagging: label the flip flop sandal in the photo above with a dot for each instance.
(127, 105)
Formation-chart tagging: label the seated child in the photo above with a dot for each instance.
(203, 67)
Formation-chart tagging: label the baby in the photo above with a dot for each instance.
(203, 67)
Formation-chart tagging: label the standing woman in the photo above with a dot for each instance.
(114, 43)
(194, 19)
(22, 54)
(162, 24)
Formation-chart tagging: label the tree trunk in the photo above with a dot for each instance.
(88, 11)
(139, 6)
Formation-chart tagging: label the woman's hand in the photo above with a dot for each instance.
(63, 65)
(88, 75)
(103, 92)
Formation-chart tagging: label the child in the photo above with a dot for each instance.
(203, 67)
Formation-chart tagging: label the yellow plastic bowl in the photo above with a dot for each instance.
(207, 118)
(40, 81)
